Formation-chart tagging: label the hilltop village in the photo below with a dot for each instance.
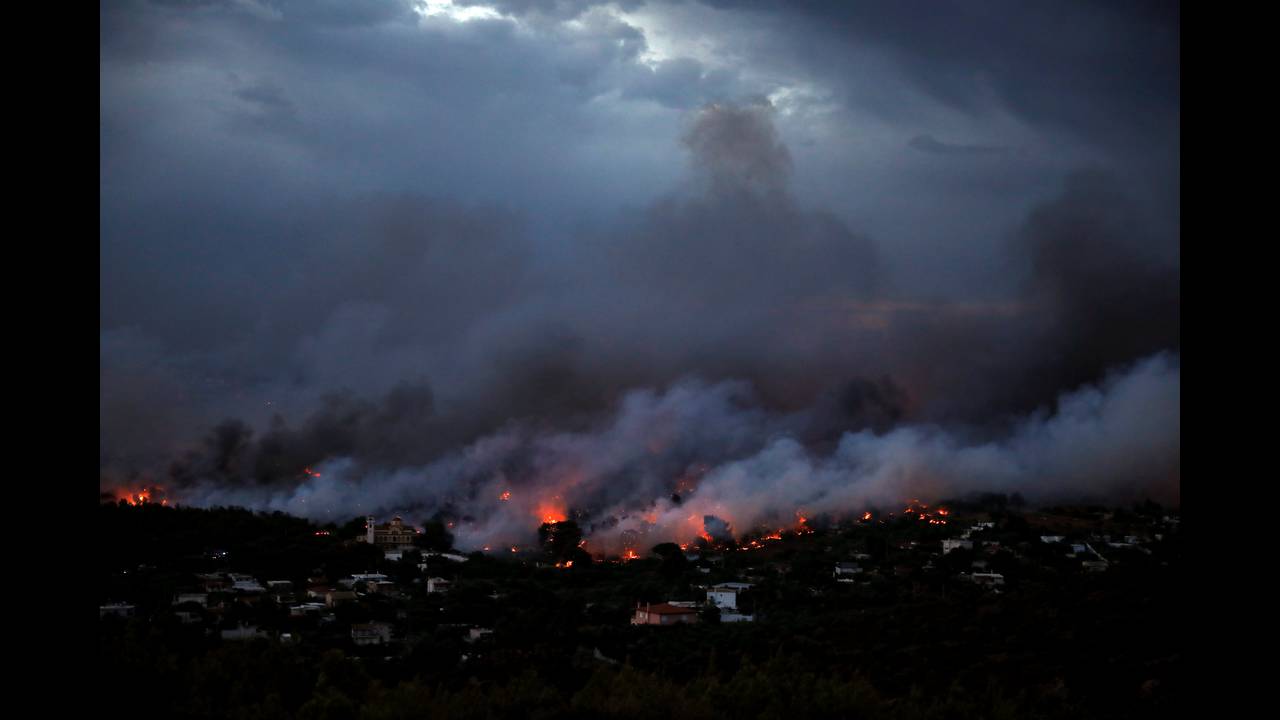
(402, 602)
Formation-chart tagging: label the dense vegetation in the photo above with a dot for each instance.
(912, 641)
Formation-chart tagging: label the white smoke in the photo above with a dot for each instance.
(726, 457)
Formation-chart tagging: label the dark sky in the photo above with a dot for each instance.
(441, 247)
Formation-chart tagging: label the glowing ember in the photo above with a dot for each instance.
(506, 495)
(919, 509)
(310, 473)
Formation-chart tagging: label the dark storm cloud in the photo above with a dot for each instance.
(611, 250)
(1108, 71)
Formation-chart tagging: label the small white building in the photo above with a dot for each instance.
(201, 599)
(438, 585)
(956, 544)
(1050, 539)
(725, 595)
(846, 571)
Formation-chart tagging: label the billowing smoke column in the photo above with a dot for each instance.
(723, 360)
(734, 468)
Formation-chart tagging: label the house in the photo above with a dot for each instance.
(307, 609)
(317, 592)
(949, 545)
(368, 578)
(374, 633)
(728, 617)
(438, 585)
(245, 583)
(845, 571)
(383, 587)
(1094, 565)
(990, 579)
(475, 634)
(725, 595)
(663, 614)
(339, 597)
(213, 582)
(201, 599)
(1050, 539)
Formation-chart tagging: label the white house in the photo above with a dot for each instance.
(949, 545)
(438, 585)
(725, 595)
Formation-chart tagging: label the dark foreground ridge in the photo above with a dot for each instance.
(1001, 612)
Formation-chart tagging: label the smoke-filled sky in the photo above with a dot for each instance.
(762, 256)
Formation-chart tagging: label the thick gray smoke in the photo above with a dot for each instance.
(734, 465)
(726, 345)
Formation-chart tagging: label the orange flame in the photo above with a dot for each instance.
(143, 496)
(550, 512)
